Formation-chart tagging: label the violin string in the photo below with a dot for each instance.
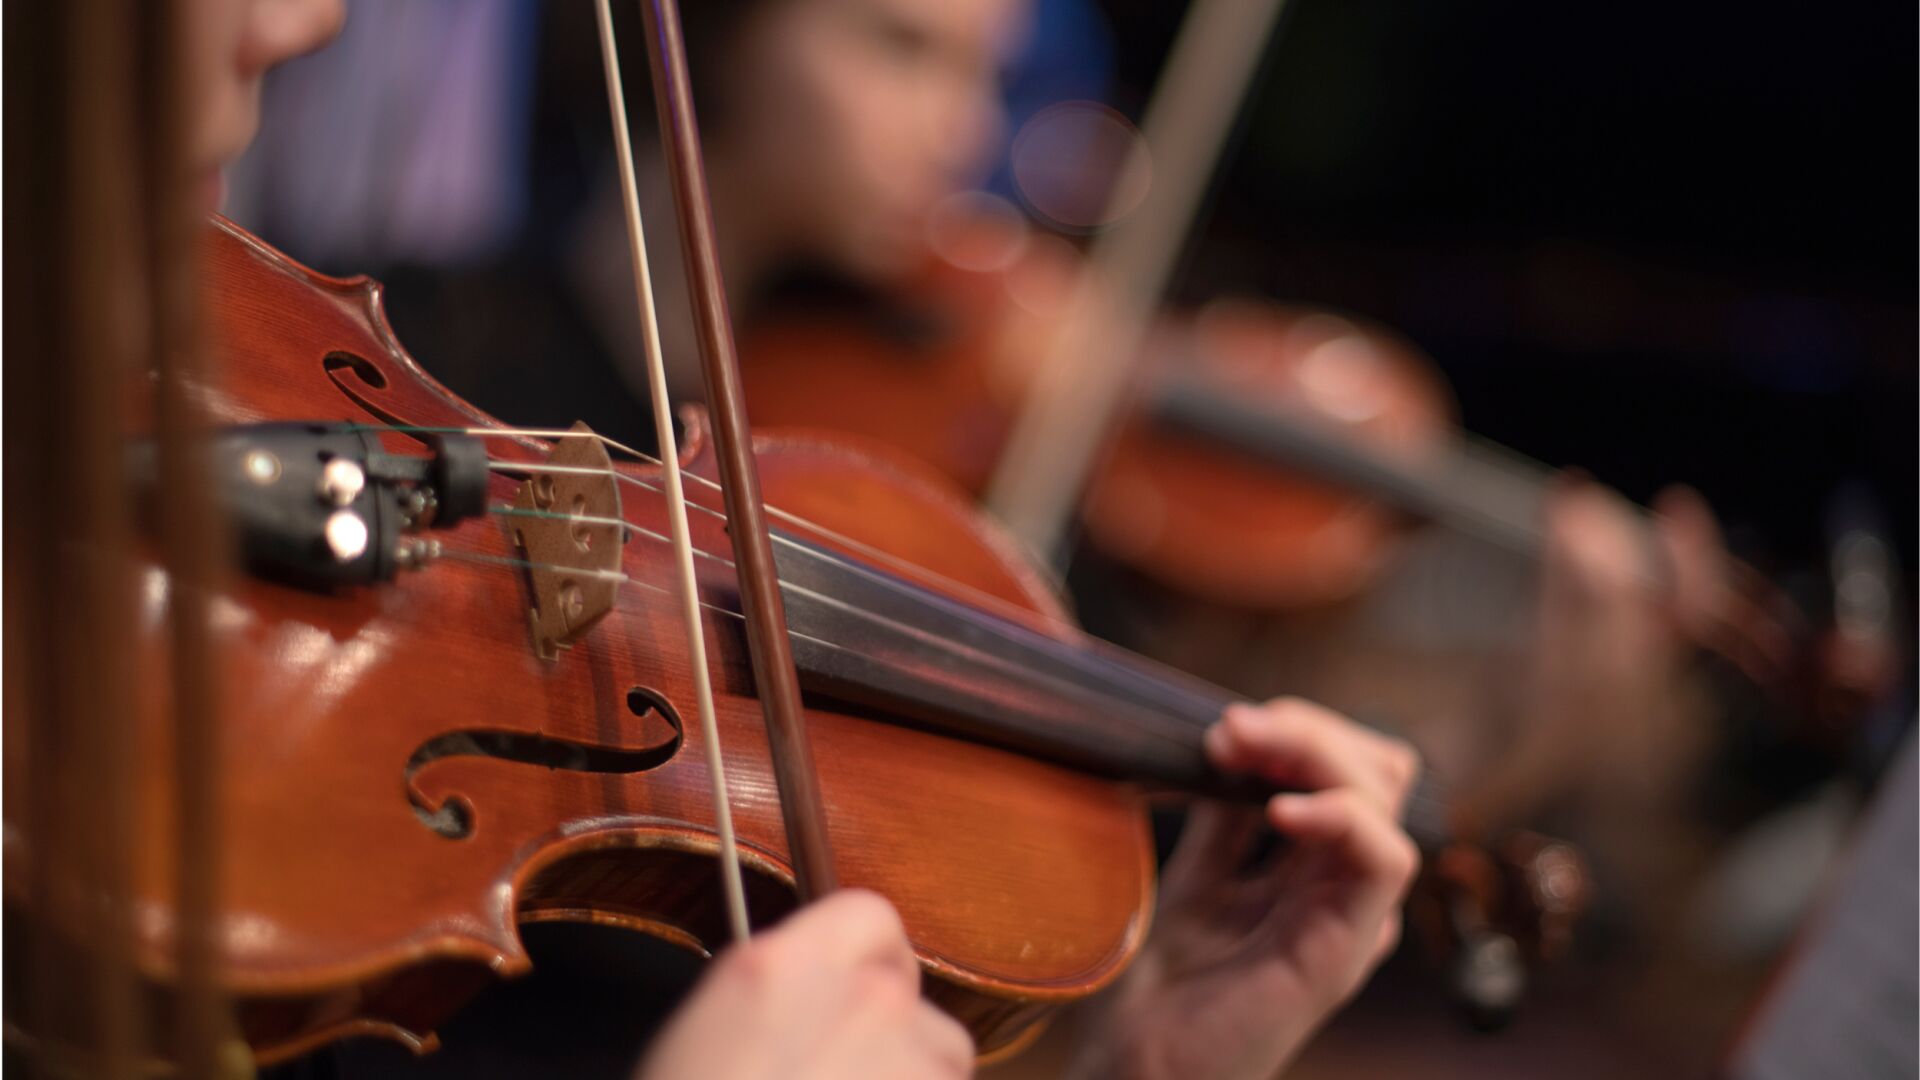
(505, 561)
(632, 529)
(730, 872)
(1422, 799)
(972, 594)
(960, 590)
(1090, 646)
(1172, 680)
(1061, 632)
(1177, 727)
(1171, 726)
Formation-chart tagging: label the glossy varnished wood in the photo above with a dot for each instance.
(340, 911)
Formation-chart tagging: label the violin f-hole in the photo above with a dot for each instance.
(346, 369)
(362, 367)
(453, 816)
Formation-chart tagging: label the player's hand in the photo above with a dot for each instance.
(832, 993)
(1244, 966)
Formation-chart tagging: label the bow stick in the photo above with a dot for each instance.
(775, 680)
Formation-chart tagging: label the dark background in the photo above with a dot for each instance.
(1666, 242)
(1661, 241)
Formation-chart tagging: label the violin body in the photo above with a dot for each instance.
(350, 723)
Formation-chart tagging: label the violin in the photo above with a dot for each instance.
(473, 713)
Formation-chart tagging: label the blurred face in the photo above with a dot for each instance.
(847, 121)
(230, 45)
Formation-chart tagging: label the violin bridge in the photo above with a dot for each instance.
(570, 540)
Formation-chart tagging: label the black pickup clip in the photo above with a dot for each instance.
(324, 506)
